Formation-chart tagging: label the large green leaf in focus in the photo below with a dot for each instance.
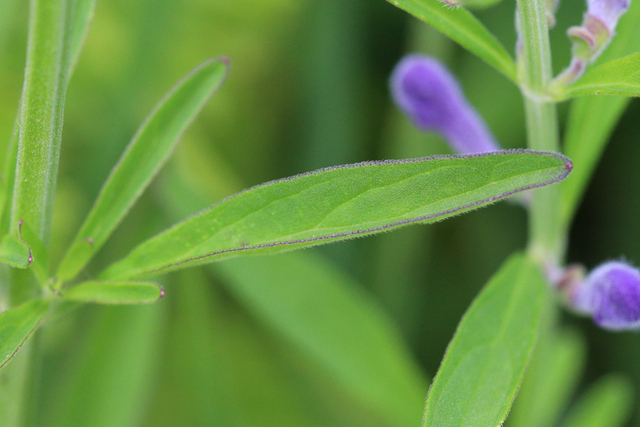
(465, 29)
(16, 325)
(340, 203)
(608, 402)
(142, 160)
(320, 309)
(485, 362)
(618, 77)
(593, 118)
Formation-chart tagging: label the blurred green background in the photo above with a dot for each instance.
(307, 89)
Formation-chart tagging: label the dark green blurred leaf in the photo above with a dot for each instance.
(618, 77)
(608, 403)
(592, 119)
(554, 373)
(15, 252)
(465, 29)
(109, 382)
(485, 362)
(115, 292)
(340, 203)
(16, 325)
(322, 311)
(145, 155)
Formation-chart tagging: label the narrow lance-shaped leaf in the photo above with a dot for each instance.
(15, 252)
(486, 360)
(340, 203)
(461, 26)
(618, 77)
(16, 325)
(56, 31)
(608, 402)
(142, 160)
(106, 292)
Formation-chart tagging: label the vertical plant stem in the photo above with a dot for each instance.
(40, 117)
(546, 234)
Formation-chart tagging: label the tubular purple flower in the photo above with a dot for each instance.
(608, 12)
(611, 294)
(432, 99)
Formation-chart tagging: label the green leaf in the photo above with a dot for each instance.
(16, 325)
(618, 77)
(552, 377)
(608, 402)
(486, 360)
(465, 29)
(592, 119)
(56, 31)
(143, 158)
(340, 203)
(321, 310)
(15, 252)
(115, 292)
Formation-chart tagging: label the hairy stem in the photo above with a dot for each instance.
(546, 234)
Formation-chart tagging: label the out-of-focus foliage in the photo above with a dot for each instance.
(307, 89)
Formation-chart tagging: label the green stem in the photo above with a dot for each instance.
(546, 234)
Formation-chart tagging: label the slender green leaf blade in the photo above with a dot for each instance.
(593, 118)
(145, 155)
(104, 292)
(551, 380)
(608, 402)
(16, 325)
(465, 29)
(15, 252)
(486, 360)
(618, 77)
(77, 29)
(321, 310)
(340, 203)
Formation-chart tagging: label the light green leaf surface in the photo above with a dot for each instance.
(16, 325)
(143, 158)
(485, 362)
(552, 377)
(465, 29)
(115, 292)
(592, 119)
(15, 252)
(618, 77)
(340, 203)
(608, 402)
(56, 32)
(320, 309)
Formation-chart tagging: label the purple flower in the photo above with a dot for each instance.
(432, 99)
(608, 12)
(611, 294)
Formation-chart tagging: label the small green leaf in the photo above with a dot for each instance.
(618, 77)
(40, 264)
(486, 360)
(340, 203)
(322, 311)
(593, 118)
(115, 292)
(16, 325)
(464, 28)
(15, 252)
(608, 402)
(143, 158)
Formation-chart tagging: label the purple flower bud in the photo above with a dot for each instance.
(431, 97)
(608, 12)
(611, 294)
